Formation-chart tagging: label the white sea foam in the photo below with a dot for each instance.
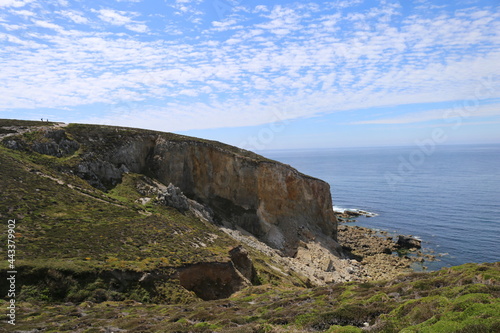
(338, 209)
(342, 210)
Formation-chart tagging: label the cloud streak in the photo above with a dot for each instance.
(459, 111)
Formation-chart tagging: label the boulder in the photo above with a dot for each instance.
(174, 197)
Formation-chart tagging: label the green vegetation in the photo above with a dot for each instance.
(89, 259)
(466, 300)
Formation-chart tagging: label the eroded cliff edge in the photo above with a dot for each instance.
(270, 200)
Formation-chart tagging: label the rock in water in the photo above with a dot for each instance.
(409, 242)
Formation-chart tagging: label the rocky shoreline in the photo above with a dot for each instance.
(380, 255)
(368, 255)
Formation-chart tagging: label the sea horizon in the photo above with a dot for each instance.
(263, 151)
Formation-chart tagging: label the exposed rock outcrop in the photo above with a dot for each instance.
(172, 196)
(56, 144)
(53, 142)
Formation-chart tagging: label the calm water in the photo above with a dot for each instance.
(449, 197)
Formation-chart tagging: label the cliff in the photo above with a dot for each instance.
(268, 199)
(140, 201)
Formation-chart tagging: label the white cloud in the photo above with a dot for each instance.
(189, 9)
(260, 8)
(137, 27)
(226, 25)
(48, 25)
(11, 27)
(23, 12)
(122, 18)
(346, 3)
(114, 17)
(74, 16)
(282, 21)
(14, 3)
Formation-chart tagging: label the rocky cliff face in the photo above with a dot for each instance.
(270, 200)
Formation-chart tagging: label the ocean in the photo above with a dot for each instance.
(448, 196)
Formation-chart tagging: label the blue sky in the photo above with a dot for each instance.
(259, 74)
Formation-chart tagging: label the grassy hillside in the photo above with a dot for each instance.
(94, 261)
(462, 299)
